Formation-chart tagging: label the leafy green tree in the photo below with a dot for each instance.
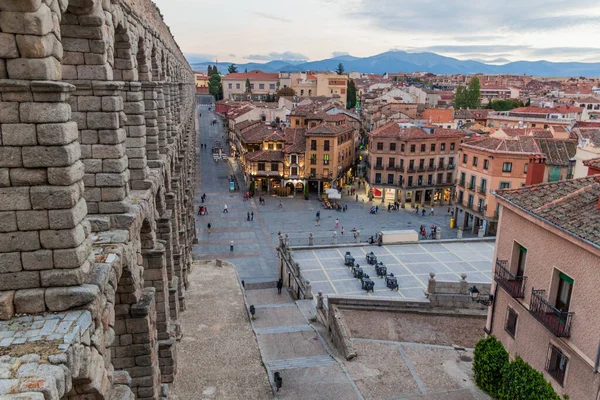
(210, 70)
(528, 102)
(474, 93)
(351, 94)
(286, 91)
(232, 69)
(489, 359)
(215, 86)
(248, 87)
(521, 382)
(460, 98)
(504, 105)
(340, 69)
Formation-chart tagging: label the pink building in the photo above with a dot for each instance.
(546, 280)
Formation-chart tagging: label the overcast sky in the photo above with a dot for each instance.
(486, 30)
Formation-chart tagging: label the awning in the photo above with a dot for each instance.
(334, 196)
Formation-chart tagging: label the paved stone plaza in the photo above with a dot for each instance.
(411, 263)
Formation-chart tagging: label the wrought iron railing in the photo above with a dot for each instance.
(511, 283)
(556, 321)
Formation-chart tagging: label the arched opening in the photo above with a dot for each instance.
(143, 62)
(299, 187)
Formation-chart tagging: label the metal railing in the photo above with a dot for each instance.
(482, 190)
(378, 167)
(471, 186)
(460, 183)
(556, 321)
(512, 284)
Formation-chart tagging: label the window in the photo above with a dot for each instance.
(310, 92)
(470, 201)
(326, 145)
(507, 167)
(313, 159)
(465, 158)
(413, 148)
(252, 86)
(379, 145)
(402, 147)
(313, 171)
(432, 162)
(432, 147)
(563, 295)
(274, 167)
(378, 178)
(313, 145)
(411, 165)
(301, 92)
(261, 166)
(554, 174)
(510, 326)
(294, 159)
(463, 178)
(504, 185)
(443, 147)
(449, 177)
(450, 160)
(422, 163)
(270, 146)
(410, 181)
(472, 183)
(525, 168)
(390, 180)
(430, 179)
(521, 254)
(461, 196)
(475, 161)
(556, 366)
(325, 159)
(486, 164)
(391, 162)
(483, 187)
(261, 86)
(230, 85)
(392, 146)
(480, 205)
(452, 146)
(294, 170)
(402, 163)
(423, 147)
(279, 146)
(272, 86)
(237, 86)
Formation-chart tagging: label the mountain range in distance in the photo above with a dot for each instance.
(401, 61)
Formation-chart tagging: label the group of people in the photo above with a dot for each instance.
(431, 211)
(432, 232)
(250, 215)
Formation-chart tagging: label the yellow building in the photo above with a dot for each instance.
(330, 85)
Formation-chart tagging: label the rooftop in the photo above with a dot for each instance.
(393, 130)
(256, 74)
(594, 163)
(570, 205)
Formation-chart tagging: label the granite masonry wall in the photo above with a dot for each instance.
(97, 150)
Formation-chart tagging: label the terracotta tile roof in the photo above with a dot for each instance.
(436, 115)
(594, 163)
(256, 135)
(265, 155)
(536, 132)
(240, 126)
(570, 205)
(329, 130)
(590, 134)
(567, 109)
(558, 152)
(588, 99)
(516, 145)
(587, 124)
(393, 130)
(256, 74)
(535, 110)
(295, 141)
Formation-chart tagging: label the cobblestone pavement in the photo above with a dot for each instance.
(229, 364)
(254, 254)
(411, 263)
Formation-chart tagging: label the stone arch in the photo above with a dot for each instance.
(143, 61)
(124, 64)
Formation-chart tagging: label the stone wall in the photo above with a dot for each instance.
(97, 163)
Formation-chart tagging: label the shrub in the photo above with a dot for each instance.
(521, 382)
(489, 359)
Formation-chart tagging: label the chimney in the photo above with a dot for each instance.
(536, 169)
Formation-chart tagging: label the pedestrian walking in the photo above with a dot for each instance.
(278, 381)
(209, 226)
(279, 286)
(417, 208)
(280, 205)
(376, 209)
(318, 221)
(248, 217)
(337, 223)
(423, 212)
(225, 210)
(342, 231)
(345, 207)
(252, 216)
(356, 197)
(431, 212)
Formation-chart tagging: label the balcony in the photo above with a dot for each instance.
(400, 169)
(431, 168)
(421, 168)
(514, 285)
(451, 166)
(556, 321)
(441, 167)
(391, 167)
(411, 170)
(482, 190)
(460, 183)
(378, 167)
(471, 186)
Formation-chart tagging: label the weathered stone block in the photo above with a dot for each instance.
(38, 22)
(21, 5)
(18, 135)
(89, 103)
(136, 152)
(95, 58)
(9, 112)
(114, 165)
(32, 220)
(114, 193)
(72, 58)
(51, 156)
(10, 262)
(66, 176)
(8, 46)
(7, 308)
(72, 258)
(62, 239)
(89, 136)
(103, 120)
(62, 277)
(113, 207)
(92, 165)
(37, 260)
(113, 136)
(112, 103)
(76, 45)
(138, 163)
(47, 68)
(8, 221)
(136, 107)
(89, 180)
(68, 219)
(44, 112)
(30, 301)
(82, 32)
(64, 298)
(34, 46)
(14, 198)
(108, 151)
(10, 157)
(28, 176)
(136, 131)
(112, 180)
(20, 280)
(133, 142)
(54, 197)
(95, 72)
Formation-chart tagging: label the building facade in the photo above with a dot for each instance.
(545, 275)
(332, 85)
(262, 84)
(412, 165)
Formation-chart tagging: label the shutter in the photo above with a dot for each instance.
(566, 278)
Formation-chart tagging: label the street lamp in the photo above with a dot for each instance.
(474, 293)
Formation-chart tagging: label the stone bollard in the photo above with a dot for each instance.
(459, 234)
(334, 237)
(280, 239)
(320, 300)
(308, 293)
(231, 243)
(357, 236)
(287, 240)
(464, 285)
(438, 233)
(431, 283)
(311, 239)
(480, 233)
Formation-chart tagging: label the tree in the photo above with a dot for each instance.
(504, 105)
(351, 94)
(215, 87)
(210, 70)
(286, 91)
(460, 99)
(232, 69)
(340, 69)
(474, 93)
(248, 87)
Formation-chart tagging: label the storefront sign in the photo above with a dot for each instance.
(389, 194)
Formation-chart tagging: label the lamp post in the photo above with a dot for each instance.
(474, 293)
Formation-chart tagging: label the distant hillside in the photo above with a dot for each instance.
(401, 61)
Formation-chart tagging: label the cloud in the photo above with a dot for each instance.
(482, 48)
(478, 38)
(339, 53)
(286, 55)
(474, 19)
(199, 57)
(232, 55)
(272, 17)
